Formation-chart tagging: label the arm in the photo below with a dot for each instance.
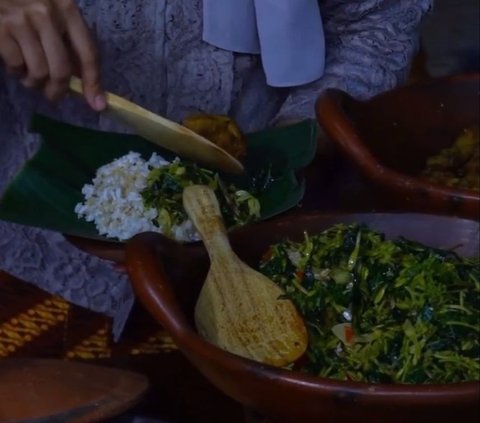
(369, 44)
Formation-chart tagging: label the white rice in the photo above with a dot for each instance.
(114, 203)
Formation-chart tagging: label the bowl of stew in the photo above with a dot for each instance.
(390, 301)
(418, 145)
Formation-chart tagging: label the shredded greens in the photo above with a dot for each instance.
(382, 311)
(165, 186)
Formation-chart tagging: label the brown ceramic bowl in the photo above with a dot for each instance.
(389, 138)
(167, 278)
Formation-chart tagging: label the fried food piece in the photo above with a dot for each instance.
(221, 130)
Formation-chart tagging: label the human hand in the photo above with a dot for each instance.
(40, 40)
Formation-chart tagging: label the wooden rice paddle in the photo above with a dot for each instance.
(167, 134)
(239, 309)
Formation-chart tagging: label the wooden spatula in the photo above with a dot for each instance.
(167, 134)
(239, 309)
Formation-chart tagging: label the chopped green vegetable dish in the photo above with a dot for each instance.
(382, 311)
(165, 186)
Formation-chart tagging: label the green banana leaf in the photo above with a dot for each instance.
(46, 190)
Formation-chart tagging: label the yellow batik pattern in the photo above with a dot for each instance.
(95, 346)
(31, 324)
(160, 342)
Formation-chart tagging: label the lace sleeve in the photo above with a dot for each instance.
(369, 44)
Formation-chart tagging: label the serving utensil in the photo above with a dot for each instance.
(239, 309)
(167, 134)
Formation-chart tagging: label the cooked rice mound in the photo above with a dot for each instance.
(113, 201)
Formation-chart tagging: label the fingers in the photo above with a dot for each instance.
(32, 49)
(33, 45)
(11, 55)
(85, 50)
(55, 54)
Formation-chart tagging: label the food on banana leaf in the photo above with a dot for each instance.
(47, 189)
(221, 130)
(132, 195)
(381, 311)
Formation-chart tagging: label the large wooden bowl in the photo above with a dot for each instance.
(167, 278)
(389, 138)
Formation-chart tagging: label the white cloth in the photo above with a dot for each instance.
(288, 34)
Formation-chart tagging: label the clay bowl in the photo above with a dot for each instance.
(167, 277)
(389, 138)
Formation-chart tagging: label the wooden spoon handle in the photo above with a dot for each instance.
(114, 102)
(202, 207)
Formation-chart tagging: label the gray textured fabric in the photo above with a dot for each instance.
(152, 52)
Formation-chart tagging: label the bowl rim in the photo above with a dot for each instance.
(331, 116)
(144, 267)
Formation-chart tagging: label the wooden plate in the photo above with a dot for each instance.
(53, 390)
